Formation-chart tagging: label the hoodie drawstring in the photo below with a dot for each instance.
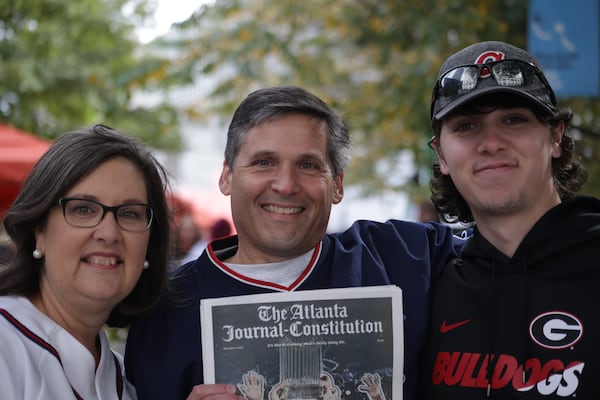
(493, 342)
(525, 315)
(493, 332)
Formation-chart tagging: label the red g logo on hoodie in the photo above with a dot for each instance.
(556, 330)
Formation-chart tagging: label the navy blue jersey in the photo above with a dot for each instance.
(163, 354)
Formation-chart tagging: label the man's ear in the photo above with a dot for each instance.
(225, 180)
(338, 189)
(434, 143)
(557, 134)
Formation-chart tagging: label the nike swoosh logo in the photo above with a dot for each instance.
(445, 328)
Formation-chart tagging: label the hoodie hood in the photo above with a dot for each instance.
(562, 228)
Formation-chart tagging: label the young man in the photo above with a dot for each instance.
(284, 165)
(515, 318)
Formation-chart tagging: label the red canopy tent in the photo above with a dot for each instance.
(19, 150)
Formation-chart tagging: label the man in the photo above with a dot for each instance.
(515, 318)
(284, 167)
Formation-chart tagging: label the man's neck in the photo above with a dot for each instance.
(506, 232)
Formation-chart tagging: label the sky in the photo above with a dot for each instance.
(167, 13)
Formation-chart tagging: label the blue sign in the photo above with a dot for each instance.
(565, 36)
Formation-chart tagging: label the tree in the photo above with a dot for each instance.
(374, 60)
(67, 64)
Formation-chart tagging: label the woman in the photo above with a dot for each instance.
(91, 231)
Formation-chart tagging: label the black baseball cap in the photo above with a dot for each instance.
(487, 68)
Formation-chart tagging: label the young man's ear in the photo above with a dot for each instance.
(434, 143)
(557, 134)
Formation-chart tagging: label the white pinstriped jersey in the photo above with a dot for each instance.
(39, 360)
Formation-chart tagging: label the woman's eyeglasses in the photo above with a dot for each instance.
(86, 213)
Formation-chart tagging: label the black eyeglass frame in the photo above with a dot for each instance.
(538, 73)
(62, 202)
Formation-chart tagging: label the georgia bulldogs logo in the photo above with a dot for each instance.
(551, 375)
(556, 330)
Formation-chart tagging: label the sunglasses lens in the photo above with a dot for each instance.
(512, 74)
(459, 80)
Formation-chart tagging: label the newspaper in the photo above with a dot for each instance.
(317, 344)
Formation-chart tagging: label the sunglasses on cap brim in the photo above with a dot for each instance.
(506, 73)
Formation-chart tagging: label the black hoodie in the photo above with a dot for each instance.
(526, 327)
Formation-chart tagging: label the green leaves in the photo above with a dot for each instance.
(376, 61)
(67, 64)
